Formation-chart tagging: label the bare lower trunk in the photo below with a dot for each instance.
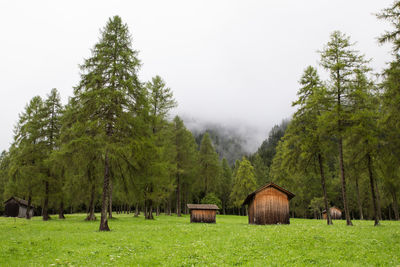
(149, 207)
(321, 169)
(104, 204)
(46, 216)
(395, 205)
(137, 210)
(372, 182)
(158, 210)
(178, 196)
(91, 216)
(359, 200)
(343, 180)
(61, 210)
(28, 209)
(110, 201)
(378, 200)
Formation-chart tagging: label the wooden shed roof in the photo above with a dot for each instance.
(19, 201)
(202, 207)
(271, 184)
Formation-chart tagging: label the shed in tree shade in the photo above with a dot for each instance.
(203, 213)
(269, 205)
(336, 214)
(17, 207)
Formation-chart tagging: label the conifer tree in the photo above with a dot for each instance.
(209, 169)
(340, 60)
(109, 90)
(245, 183)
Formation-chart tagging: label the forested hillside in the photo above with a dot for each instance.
(114, 148)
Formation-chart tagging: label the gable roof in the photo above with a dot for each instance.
(202, 207)
(271, 184)
(19, 201)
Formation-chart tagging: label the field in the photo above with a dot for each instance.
(173, 241)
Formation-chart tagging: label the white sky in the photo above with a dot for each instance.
(230, 62)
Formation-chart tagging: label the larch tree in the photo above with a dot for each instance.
(245, 183)
(226, 185)
(340, 60)
(209, 166)
(51, 114)
(311, 104)
(107, 92)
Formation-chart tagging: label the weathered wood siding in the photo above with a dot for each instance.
(203, 216)
(269, 206)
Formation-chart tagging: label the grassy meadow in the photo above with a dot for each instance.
(173, 241)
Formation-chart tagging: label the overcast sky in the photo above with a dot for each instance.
(229, 62)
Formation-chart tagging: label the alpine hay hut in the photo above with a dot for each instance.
(336, 214)
(269, 205)
(202, 213)
(17, 207)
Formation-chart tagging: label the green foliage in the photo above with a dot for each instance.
(245, 183)
(209, 166)
(211, 198)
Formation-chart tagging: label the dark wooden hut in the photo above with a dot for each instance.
(203, 213)
(336, 214)
(269, 205)
(17, 207)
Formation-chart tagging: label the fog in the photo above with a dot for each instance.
(232, 63)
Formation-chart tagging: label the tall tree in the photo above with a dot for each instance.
(51, 113)
(245, 183)
(340, 60)
(305, 124)
(108, 92)
(209, 168)
(226, 185)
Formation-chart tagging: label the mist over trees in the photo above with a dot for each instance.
(113, 148)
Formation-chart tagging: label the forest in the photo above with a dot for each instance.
(114, 148)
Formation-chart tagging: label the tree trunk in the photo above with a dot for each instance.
(46, 216)
(61, 210)
(378, 200)
(28, 209)
(158, 210)
(390, 213)
(359, 200)
(91, 216)
(110, 189)
(178, 196)
(149, 207)
(321, 170)
(343, 180)
(372, 182)
(395, 205)
(104, 204)
(137, 210)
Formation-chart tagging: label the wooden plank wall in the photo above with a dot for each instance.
(204, 216)
(269, 206)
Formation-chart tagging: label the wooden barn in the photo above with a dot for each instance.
(202, 213)
(269, 205)
(336, 214)
(16, 207)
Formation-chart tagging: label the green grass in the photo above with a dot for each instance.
(173, 241)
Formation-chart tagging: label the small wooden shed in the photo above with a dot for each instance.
(336, 214)
(269, 205)
(203, 213)
(17, 207)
